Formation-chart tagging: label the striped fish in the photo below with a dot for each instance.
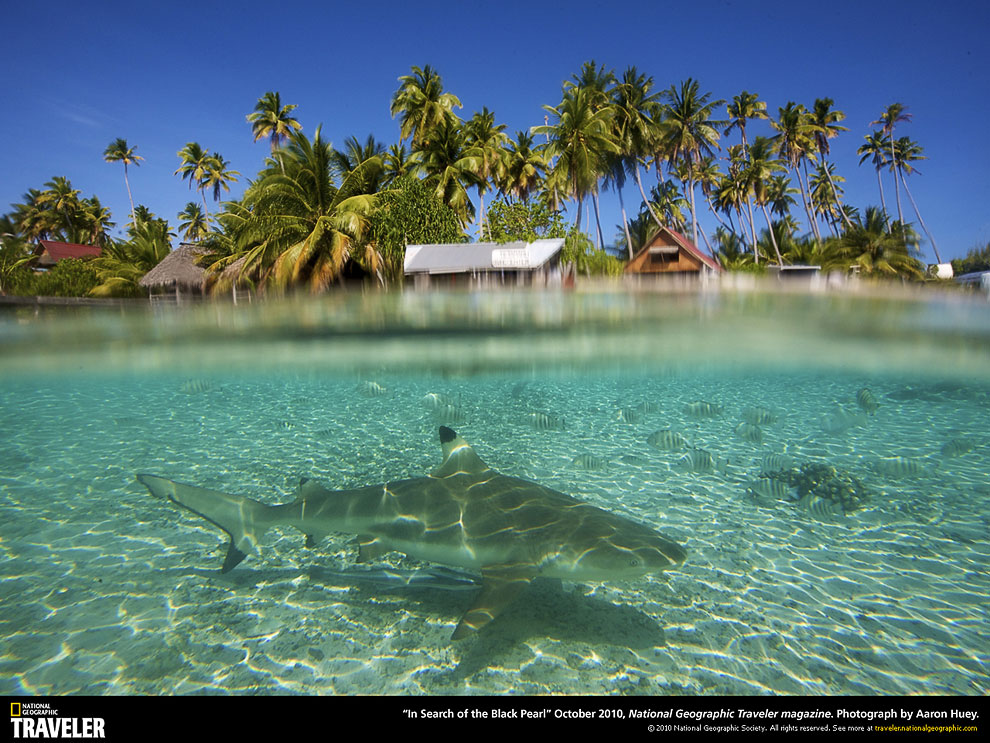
(957, 447)
(867, 401)
(776, 463)
(449, 414)
(546, 422)
(285, 425)
(749, 432)
(195, 386)
(702, 409)
(434, 400)
(770, 488)
(667, 440)
(821, 508)
(759, 416)
(630, 415)
(590, 462)
(371, 389)
(698, 460)
(648, 406)
(900, 467)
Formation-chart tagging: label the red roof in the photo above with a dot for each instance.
(56, 251)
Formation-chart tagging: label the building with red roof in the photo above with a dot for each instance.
(669, 252)
(51, 252)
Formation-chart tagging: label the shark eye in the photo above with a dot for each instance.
(634, 562)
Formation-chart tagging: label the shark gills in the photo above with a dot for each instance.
(463, 514)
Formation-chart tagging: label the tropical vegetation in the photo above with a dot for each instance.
(315, 215)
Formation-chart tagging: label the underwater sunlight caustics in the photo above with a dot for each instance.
(463, 514)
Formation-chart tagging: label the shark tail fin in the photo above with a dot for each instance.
(245, 520)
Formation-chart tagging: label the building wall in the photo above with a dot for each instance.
(680, 262)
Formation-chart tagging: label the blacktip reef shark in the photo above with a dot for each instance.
(463, 514)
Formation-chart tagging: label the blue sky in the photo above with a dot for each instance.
(160, 75)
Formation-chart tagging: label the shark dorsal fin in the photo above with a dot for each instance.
(458, 456)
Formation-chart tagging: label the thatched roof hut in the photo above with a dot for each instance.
(177, 270)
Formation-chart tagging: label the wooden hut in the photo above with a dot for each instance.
(669, 252)
(177, 277)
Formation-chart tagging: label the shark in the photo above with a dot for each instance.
(463, 514)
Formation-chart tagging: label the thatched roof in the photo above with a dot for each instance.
(178, 268)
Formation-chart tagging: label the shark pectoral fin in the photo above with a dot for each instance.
(370, 548)
(501, 585)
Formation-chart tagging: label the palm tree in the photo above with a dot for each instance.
(194, 167)
(905, 152)
(488, 138)
(522, 167)
(744, 107)
(193, 223)
(763, 166)
(879, 250)
(301, 227)
(422, 105)
(667, 201)
(579, 145)
(825, 195)
(450, 166)
(354, 154)
(826, 122)
(118, 152)
(397, 163)
(876, 149)
(795, 143)
(271, 119)
(218, 176)
(689, 131)
(895, 113)
(122, 265)
(635, 110)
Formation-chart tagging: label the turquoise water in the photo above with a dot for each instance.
(107, 590)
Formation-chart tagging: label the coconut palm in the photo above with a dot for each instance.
(193, 223)
(396, 163)
(522, 167)
(689, 132)
(826, 195)
(876, 150)
(273, 120)
(450, 167)
(218, 176)
(488, 138)
(354, 154)
(123, 264)
(759, 173)
(895, 113)
(745, 107)
(795, 143)
(119, 152)
(194, 167)
(667, 201)
(905, 152)
(421, 105)
(880, 251)
(826, 127)
(580, 143)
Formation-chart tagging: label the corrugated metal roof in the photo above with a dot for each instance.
(467, 257)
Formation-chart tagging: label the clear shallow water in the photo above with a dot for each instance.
(107, 590)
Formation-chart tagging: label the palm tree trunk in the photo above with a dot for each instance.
(835, 195)
(773, 238)
(923, 225)
(646, 201)
(705, 238)
(883, 201)
(625, 223)
(129, 197)
(598, 221)
(812, 222)
(752, 227)
(694, 215)
(897, 190)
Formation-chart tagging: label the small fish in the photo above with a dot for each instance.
(285, 425)
(957, 447)
(770, 488)
(434, 400)
(194, 386)
(776, 463)
(372, 389)
(546, 422)
(900, 467)
(698, 460)
(759, 416)
(867, 400)
(702, 409)
(648, 406)
(449, 414)
(841, 420)
(590, 462)
(667, 440)
(630, 415)
(749, 432)
(821, 508)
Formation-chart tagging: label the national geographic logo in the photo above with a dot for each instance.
(41, 720)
